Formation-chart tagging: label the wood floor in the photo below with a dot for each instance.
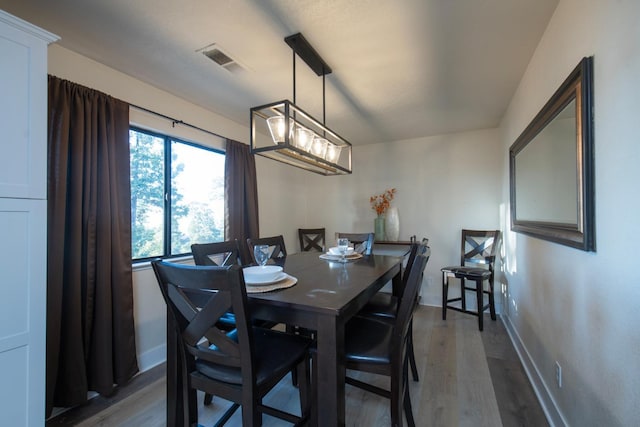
(467, 377)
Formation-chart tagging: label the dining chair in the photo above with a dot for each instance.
(311, 239)
(241, 366)
(222, 254)
(217, 253)
(380, 347)
(478, 248)
(278, 251)
(359, 238)
(384, 305)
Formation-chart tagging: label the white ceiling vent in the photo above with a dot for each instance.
(220, 57)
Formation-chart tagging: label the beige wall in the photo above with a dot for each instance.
(443, 183)
(566, 305)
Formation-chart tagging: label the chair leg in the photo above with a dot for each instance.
(227, 415)
(445, 295)
(208, 398)
(406, 399)
(304, 388)
(250, 414)
(492, 302)
(397, 380)
(412, 355)
(314, 389)
(463, 294)
(479, 303)
(294, 373)
(192, 402)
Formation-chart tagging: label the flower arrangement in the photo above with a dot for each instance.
(381, 202)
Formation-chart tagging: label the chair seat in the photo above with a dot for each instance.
(276, 352)
(382, 304)
(467, 272)
(369, 341)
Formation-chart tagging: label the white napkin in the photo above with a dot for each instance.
(361, 248)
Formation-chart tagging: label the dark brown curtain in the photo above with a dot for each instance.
(90, 329)
(241, 195)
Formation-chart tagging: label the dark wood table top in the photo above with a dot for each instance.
(326, 286)
(393, 242)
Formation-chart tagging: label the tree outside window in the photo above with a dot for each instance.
(177, 195)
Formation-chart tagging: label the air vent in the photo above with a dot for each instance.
(217, 55)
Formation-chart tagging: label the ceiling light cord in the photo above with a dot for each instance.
(323, 99)
(294, 75)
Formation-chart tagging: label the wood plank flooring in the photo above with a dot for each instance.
(467, 377)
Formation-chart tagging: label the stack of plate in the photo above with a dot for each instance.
(336, 251)
(263, 275)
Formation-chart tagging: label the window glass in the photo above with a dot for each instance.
(197, 196)
(147, 194)
(191, 177)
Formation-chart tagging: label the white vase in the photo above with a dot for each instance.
(392, 228)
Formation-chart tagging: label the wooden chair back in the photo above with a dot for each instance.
(479, 247)
(275, 243)
(311, 239)
(197, 298)
(410, 294)
(217, 253)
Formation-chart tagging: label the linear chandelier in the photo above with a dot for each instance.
(284, 132)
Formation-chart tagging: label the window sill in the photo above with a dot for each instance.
(146, 265)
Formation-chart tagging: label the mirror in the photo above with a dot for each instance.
(551, 167)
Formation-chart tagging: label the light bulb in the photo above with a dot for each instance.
(277, 128)
(319, 147)
(333, 153)
(303, 138)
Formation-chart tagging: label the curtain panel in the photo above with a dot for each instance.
(241, 195)
(90, 325)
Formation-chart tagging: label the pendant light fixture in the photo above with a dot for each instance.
(284, 132)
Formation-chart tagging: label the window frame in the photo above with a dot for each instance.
(167, 205)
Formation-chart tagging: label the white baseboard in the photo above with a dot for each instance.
(152, 358)
(551, 411)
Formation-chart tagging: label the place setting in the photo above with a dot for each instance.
(342, 253)
(265, 278)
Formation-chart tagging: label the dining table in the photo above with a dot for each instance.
(326, 295)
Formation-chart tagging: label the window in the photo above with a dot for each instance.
(177, 195)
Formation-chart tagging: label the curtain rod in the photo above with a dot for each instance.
(175, 122)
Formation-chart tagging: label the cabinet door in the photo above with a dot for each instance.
(23, 261)
(23, 221)
(23, 110)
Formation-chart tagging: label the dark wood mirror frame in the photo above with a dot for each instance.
(541, 191)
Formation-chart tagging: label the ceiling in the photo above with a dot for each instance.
(401, 69)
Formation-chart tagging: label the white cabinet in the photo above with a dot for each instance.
(23, 220)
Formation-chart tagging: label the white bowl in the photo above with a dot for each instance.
(336, 251)
(262, 274)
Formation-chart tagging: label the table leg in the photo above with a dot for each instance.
(182, 408)
(175, 407)
(396, 284)
(331, 372)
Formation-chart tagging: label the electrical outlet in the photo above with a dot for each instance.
(558, 375)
